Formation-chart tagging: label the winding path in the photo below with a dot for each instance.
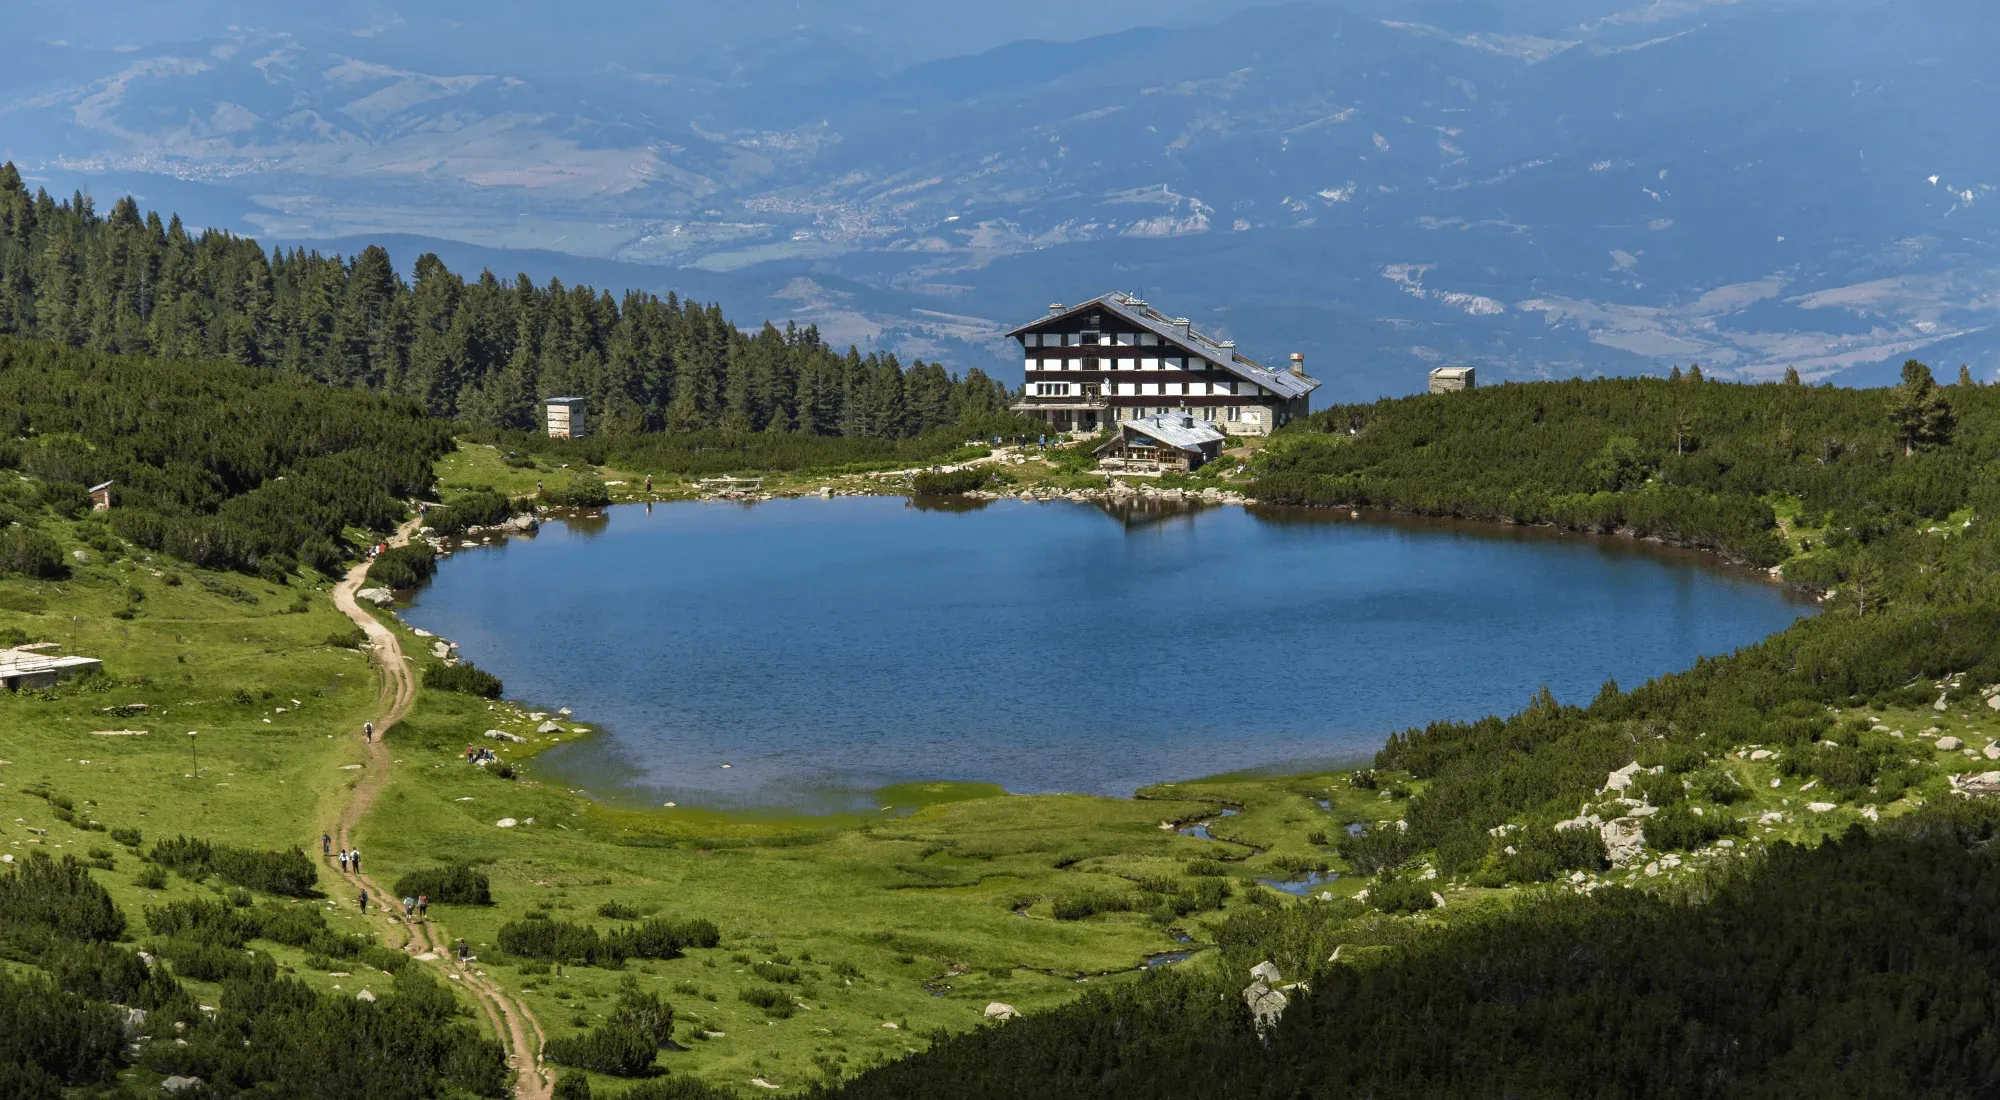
(426, 939)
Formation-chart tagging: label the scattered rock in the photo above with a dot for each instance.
(763, 1084)
(1622, 778)
(564, 711)
(548, 727)
(1991, 751)
(1985, 783)
(1438, 898)
(1774, 817)
(1762, 754)
(421, 632)
(892, 1025)
(503, 735)
(176, 1084)
(1821, 807)
(999, 1011)
(1267, 972)
(1949, 744)
(506, 823)
(1624, 839)
(365, 995)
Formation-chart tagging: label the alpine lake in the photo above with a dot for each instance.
(801, 655)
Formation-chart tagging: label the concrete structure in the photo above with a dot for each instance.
(1452, 379)
(100, 497)
(1114, 359)
(565, 417)
(27, 668)
(1173, 441)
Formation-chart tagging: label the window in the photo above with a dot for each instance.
(1147, 339)
(1052, 389)
(1090, 363)
(1235, 412)
(1208, 412)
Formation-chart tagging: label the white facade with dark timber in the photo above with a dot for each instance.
(1115, 358)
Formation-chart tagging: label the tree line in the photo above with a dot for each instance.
(483, 350)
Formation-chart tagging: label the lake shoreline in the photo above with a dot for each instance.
(842, 801)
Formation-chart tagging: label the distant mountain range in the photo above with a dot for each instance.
(1385, 186)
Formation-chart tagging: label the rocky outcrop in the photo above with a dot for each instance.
(381, 597)
(1265, 1001)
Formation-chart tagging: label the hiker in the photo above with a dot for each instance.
(462, 950)
(409, 905)
(364, 903)
(368, 731)
(423, 905)
(326, 844)
(649, 483)
(343, 861)
(354, 857)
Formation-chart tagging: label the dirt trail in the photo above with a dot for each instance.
(426, 939)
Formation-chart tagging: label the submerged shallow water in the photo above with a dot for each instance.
(827, 648)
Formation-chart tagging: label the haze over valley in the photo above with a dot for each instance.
(1590, 186)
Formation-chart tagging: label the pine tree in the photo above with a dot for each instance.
(1920, 411)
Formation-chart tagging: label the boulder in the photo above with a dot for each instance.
(1949, 744)
(1821, 807)
(177, 1083)
(1266, 972)
(1985, 783)
(365, 995)
(1624, 839)
(381, 597)
(506, 823)
(999, 1011)
(1622, 778)
(1762, 754)
(1267, 1006)
(548, 727)
(503, 735)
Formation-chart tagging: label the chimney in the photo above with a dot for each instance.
(1183, 324)
(1055, 308)
(1299, 364)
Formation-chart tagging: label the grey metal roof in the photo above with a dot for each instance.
(1282, 383)
(1176, 429)
(562, 400)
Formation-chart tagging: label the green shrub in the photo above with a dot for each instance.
(963, 480)
(290, 872)
(1395, 894)
(1078, 904)
(42, 897)
(777, 972)
(775, 1002)
(1208, 867)
(51, 1037)
(452, 884)
(482, 508)
(402, 566)
(617, 910)
(31, 553)
(128, 837)
(1679, 828)
(352, 637)
(464, 678)
(1383, 846)
(584, 490)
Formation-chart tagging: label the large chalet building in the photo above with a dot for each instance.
(1115, 359)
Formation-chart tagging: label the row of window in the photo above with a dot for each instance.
(1206, 412)
(1090, 339)
(1094, 363)
(1150, 389)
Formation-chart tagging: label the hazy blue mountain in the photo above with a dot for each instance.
(1541, 189)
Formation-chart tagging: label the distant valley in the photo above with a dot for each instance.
(1385, 188)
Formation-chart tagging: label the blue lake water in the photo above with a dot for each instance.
(827, 648)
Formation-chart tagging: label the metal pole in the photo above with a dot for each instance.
(195, 756)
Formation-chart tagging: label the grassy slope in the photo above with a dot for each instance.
(918, 902)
